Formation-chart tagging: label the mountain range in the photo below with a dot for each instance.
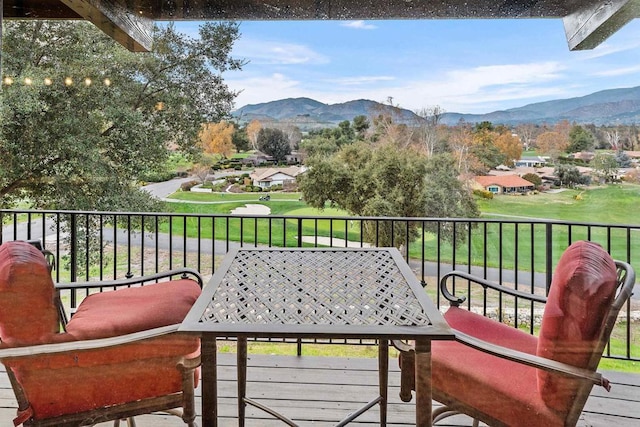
(607, 107)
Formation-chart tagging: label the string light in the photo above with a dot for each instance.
(48, 81)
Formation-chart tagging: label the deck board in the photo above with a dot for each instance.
(319, 391)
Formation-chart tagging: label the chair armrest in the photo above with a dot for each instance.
(184, 272)
(532, 360)
(42, 349)
(456, 301)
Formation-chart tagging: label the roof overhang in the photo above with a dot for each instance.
(587, 22)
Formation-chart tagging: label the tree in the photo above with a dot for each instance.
(580, 139)
(239, 139)
(605, 166)
(568, 175)
(360, 126)
(253, 129)
(552, 144)
(484, 147)
(217, 138)
(510, 146)
(447, 197)
(623, 160)
(384, 180)
(97, 116)
(533, 178)
(427, 127)
(527, 133)
(274, 143)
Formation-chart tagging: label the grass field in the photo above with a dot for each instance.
(494, 244)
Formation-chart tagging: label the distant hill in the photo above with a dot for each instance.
(308, 114)
(613, 106)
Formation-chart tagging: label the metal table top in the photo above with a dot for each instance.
(316, 292)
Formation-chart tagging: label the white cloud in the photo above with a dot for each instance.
(359, 25)
(273, 52)
(622, 71)
(360, 80)
(259, 89)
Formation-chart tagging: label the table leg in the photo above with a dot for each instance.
(383, 381)
(423, 383)
(209, 381)
(242, 379)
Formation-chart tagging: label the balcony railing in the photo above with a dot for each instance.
(517, 253)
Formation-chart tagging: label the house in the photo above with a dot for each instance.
(531, 162)
(505, 184)
(257, 159)
(266, 178)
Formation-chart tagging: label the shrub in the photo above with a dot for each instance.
(533, 178)
(186, 186)
(483, 193)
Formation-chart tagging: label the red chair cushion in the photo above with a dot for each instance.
(477, 379)
(28, 313)
(582, 290)
(128, 310)
(79, 381)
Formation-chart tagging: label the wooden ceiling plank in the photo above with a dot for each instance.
(123, 24)
(589, 26)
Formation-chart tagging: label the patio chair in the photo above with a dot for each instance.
(117, 357)
(502, 376)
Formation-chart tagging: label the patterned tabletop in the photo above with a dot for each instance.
(315, 292)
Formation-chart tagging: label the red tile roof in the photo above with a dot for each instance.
(505, 181)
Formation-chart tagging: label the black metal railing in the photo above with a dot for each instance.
(518, 253)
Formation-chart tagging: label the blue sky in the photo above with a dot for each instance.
(466, 66)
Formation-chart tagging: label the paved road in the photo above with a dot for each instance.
(161, 190)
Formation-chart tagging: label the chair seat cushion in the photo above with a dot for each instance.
(471, 375)
(124, 311)
(83, 380)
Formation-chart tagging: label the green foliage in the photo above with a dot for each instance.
(275, 143)
(483, 193)
(533, 178)
(568, 175)
(580, 139)
(385, 180)
(605, 166)
(623, 160)
(240, 139)
(82, 144)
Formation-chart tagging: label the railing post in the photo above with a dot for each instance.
(299, 232)
(73, 255)
(549, 255)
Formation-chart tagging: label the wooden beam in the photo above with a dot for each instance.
(591, 25)
(122, 23)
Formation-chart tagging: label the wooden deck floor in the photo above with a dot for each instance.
(319, 391)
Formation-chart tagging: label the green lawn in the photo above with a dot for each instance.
(495, 244)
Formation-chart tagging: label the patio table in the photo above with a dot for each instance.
(322, 293)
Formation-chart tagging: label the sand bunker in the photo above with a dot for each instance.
(251, 209)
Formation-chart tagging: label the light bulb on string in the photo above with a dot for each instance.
(8, 81)
(107, 82)
(48, 81)
(87, 81)
(28, 81)
(68, 81)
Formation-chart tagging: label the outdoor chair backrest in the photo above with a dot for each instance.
(28, 313)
